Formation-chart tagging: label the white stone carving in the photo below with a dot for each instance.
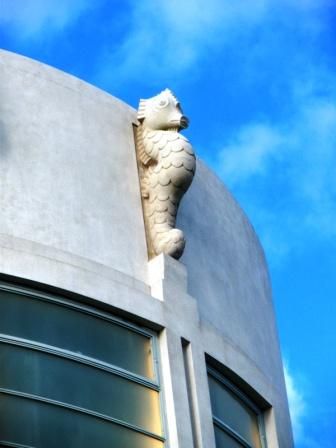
(166, 166)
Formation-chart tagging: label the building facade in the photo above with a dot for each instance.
(98, 345)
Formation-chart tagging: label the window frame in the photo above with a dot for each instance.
(211, 371)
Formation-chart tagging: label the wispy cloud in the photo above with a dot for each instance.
(250, 152)
(293, 158)
(169, 37)
(297, 405)
(303, 416)
(25, 19)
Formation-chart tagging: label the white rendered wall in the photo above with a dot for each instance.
(228, 275)
(67, 166)
(71, 218)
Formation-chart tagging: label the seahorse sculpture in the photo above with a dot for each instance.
(167, 166)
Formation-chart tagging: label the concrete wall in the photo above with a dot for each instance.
(71, 219)
(67, 165)
(227, 271)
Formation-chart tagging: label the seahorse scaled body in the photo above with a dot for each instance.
(167, 166)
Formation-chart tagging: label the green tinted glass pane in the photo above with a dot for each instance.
(231, 410)
(63, 327)
(70, 382)
(42, 425)
(223, 440)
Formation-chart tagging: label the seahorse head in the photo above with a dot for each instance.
(162, 112)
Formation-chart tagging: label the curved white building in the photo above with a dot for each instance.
(98, 346)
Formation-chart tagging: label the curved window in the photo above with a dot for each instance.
(72, 375)
(237, 421)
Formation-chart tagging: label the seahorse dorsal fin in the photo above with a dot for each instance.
(142, 154)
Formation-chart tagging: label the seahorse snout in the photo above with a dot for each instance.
(180, 121)
(184, 122)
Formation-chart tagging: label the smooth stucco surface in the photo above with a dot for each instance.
(71, 218)
(227, 270)
(68, 168)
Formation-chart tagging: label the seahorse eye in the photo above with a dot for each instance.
(163, 103)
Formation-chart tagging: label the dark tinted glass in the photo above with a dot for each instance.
(70, 382)
(223, 440)
(231, 410)
(41, 425)
(69, 329)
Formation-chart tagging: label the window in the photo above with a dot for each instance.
(237, 421)
(73, 375)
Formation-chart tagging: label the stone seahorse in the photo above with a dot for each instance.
(166, 166)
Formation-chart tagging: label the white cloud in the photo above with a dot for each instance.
(27, 18)
(293, 162)
(297, 405)
(301, 413)
(169, 37)
(249, 152)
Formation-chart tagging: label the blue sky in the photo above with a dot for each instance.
(257, 78)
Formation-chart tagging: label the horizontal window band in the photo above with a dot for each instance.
(69, 303)
(221, 425)
(63, 380)
(82, 411)
(4, 443)
(62, 353)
